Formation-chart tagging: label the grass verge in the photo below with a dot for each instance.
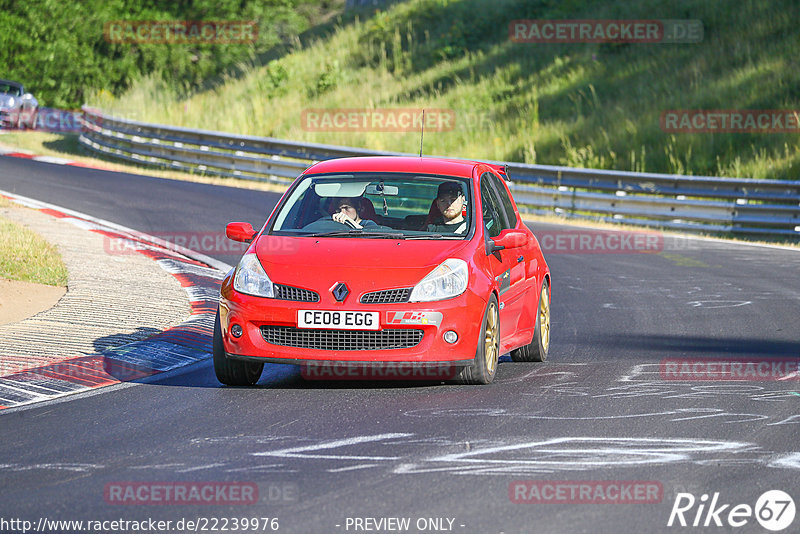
(27, 257)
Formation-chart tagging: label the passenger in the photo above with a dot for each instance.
(348, 211)
(448, 217)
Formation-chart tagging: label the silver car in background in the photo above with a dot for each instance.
(18, 109)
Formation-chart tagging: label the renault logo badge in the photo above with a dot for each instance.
(340, 291)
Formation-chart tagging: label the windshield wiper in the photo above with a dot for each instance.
(357, 233)
(433, 236)
(383, 235)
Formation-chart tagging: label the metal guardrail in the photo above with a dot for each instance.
(691, 203)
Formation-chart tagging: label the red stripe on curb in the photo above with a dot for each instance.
(163, 254)
(69, 162)
(203, 307)
(54, 213)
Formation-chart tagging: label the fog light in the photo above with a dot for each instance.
(450, 337)
(236, 331)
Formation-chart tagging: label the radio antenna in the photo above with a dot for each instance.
(421, 133)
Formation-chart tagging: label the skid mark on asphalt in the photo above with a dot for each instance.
(305, 450)
(790, 461)
(709, 304)
(640, 381)
(574, 453)
(791, 420)
(684, 261)
(413, 454)
(680, 414)
(505, 457)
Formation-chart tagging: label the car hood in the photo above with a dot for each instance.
(374, 263)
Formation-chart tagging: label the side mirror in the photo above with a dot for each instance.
(510, 238)
(240, 231)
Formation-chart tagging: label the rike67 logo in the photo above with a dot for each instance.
(774, 510)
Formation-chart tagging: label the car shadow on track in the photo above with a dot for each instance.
(288, 376)
(646, 346)
(183, 359)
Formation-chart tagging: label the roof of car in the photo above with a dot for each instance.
(11, 82)
(426, 165)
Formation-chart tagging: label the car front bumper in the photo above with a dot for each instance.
(400, 325)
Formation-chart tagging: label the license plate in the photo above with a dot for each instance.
(339, 319)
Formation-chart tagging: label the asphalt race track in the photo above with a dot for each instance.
(324, 454)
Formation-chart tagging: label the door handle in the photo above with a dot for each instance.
(520, 259)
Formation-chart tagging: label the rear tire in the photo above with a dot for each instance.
(537, 349)
(229, 371)
(487, 354)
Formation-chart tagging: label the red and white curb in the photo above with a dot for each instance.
(176, 347)
(25, 154)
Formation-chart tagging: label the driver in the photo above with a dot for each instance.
(348, 212)
(450, 208)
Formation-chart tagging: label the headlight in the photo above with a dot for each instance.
(446, 281)
(251, 279)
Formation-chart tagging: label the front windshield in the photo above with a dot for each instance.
(403, 206)
(10, 89)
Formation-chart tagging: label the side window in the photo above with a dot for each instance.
(508, 205)
(493, 216)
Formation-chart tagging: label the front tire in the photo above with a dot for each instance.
(487, 354)
(31, 122)
(537, 349)
(229, 371)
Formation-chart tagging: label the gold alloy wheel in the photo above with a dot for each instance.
(491, 336)
(544, 318)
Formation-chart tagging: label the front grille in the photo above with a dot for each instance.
(392, 338)
(283, 292)
(387, 296)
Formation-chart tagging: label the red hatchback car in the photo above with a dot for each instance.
(386, 261)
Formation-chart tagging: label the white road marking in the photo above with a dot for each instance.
(298, 452)
(351, 468)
